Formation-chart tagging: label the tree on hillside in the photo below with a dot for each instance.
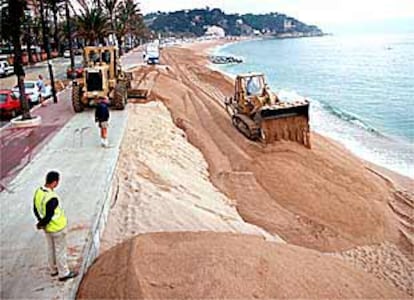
(12, 18)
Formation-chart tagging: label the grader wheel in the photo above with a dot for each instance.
(76, 99)
(120, 96)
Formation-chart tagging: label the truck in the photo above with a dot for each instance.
(152, 54)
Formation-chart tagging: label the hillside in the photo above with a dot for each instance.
(195, 22)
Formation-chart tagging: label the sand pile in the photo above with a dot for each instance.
(321, 198)
(163, 185)
(324, 198)
(218, 265)
(289, 129)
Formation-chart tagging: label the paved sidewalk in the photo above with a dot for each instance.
(86, 175)
(19, 145)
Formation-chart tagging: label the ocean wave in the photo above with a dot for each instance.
(288, 95)
(351, 118)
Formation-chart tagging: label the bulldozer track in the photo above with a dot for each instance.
(246, 126)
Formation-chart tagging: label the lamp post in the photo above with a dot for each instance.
(47, 48)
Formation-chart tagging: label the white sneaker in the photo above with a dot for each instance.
(103, 143)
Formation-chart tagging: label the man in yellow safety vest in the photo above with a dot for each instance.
(51, 218)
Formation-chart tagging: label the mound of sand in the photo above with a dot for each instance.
(223, 265)
(323, 198)
(162, 184)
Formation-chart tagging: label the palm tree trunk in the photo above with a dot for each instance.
(16, 11)
(121, 51)
(46, 45)
(56, 31)
(20, 74)
(29, 45)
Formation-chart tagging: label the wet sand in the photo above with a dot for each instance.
(321, 200)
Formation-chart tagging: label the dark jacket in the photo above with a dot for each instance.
(101, 112)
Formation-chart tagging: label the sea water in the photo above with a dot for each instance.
(361, 88)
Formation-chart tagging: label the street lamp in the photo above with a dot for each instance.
(47, 48)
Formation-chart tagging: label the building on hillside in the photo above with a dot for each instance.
(215, 31)
(256, 32)
(288, 24)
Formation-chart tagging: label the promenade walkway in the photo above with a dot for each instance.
(86, 176)
(18, 146)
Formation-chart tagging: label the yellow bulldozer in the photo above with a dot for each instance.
(260, 115)
(102, 76)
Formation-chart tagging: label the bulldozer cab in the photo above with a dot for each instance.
(259, 114)
(251, 92)
(95, 57)
(103, 77)
(254, 85)
(249, 85)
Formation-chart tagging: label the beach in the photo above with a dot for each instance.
(197, 204)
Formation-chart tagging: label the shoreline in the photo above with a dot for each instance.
(398, 179)
(186, 174)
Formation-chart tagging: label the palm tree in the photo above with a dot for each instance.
(11, 28)
(55, 6)
(128, 20)
(92, 25)
(110, 7)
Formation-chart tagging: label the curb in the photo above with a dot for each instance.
(33, 122)
(36, 107)
(91, 249)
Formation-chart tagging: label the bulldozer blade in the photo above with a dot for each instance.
(284, 111)
(138, 93)
(289, 128)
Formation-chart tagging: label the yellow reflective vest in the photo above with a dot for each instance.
(58, 221)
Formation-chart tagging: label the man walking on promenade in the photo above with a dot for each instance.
(102, 117)
(42, 89)
(51, 218)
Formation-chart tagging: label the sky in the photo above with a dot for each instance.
(327, 14)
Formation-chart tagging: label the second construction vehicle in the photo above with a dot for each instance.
(102, 76)
(260, 115)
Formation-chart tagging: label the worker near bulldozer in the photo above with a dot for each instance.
(52, 220)
(102, 118)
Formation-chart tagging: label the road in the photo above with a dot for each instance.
(18, 146)
(59, 64)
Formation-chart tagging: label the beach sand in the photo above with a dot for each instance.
(204, 178)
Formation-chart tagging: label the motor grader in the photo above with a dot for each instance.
(102, 76)
(260, 115)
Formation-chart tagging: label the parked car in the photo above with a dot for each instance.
(78, 72)
(33, 91)
(9, 104)
(5, 69)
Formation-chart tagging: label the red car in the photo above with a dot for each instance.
(9, 104)
(78, 72)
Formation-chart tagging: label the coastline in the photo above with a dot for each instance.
(399, 180)
(354, 203)
(190, 186)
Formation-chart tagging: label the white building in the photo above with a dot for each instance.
(215, 31)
